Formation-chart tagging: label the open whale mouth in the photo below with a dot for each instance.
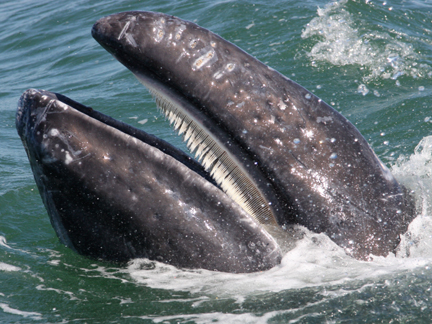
(116, 193)
(271, 154)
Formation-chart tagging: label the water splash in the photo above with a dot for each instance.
(416, 173)
(343, 38)
(32, 315)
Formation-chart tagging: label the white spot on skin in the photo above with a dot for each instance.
(209, 227)
(281, 105)
(230, 66)
(59, 104)
(218, 75)
(68, 158)
(183, 54)
(193, 43)
(309, 133)
(266, 148)
(203, 60)
(324, 120)
(159, 34)
(272, 119)
(179, 31)
(159, 30)
(54, 132)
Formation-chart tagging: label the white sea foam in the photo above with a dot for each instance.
(7, 309)
(416, 173)
(210, 317)
(343, 38)
(69, 294)
(8, 267)
(3, 243)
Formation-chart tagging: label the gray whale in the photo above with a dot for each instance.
(271, 154)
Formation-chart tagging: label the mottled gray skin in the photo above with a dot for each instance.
(321, 169)
(116, 193)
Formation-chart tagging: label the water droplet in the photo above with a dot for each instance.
(362, 89)
(308, 96)
(333, 156)
(333, 140)
(421, 88)
(296, 140)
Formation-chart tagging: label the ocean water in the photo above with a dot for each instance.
(371, 60)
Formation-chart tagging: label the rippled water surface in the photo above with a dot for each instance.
(371, 60)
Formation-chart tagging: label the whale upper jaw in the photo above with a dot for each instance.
(302, 159)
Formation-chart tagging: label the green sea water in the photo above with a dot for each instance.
(371, 60)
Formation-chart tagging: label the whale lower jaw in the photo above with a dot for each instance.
(116, 193)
